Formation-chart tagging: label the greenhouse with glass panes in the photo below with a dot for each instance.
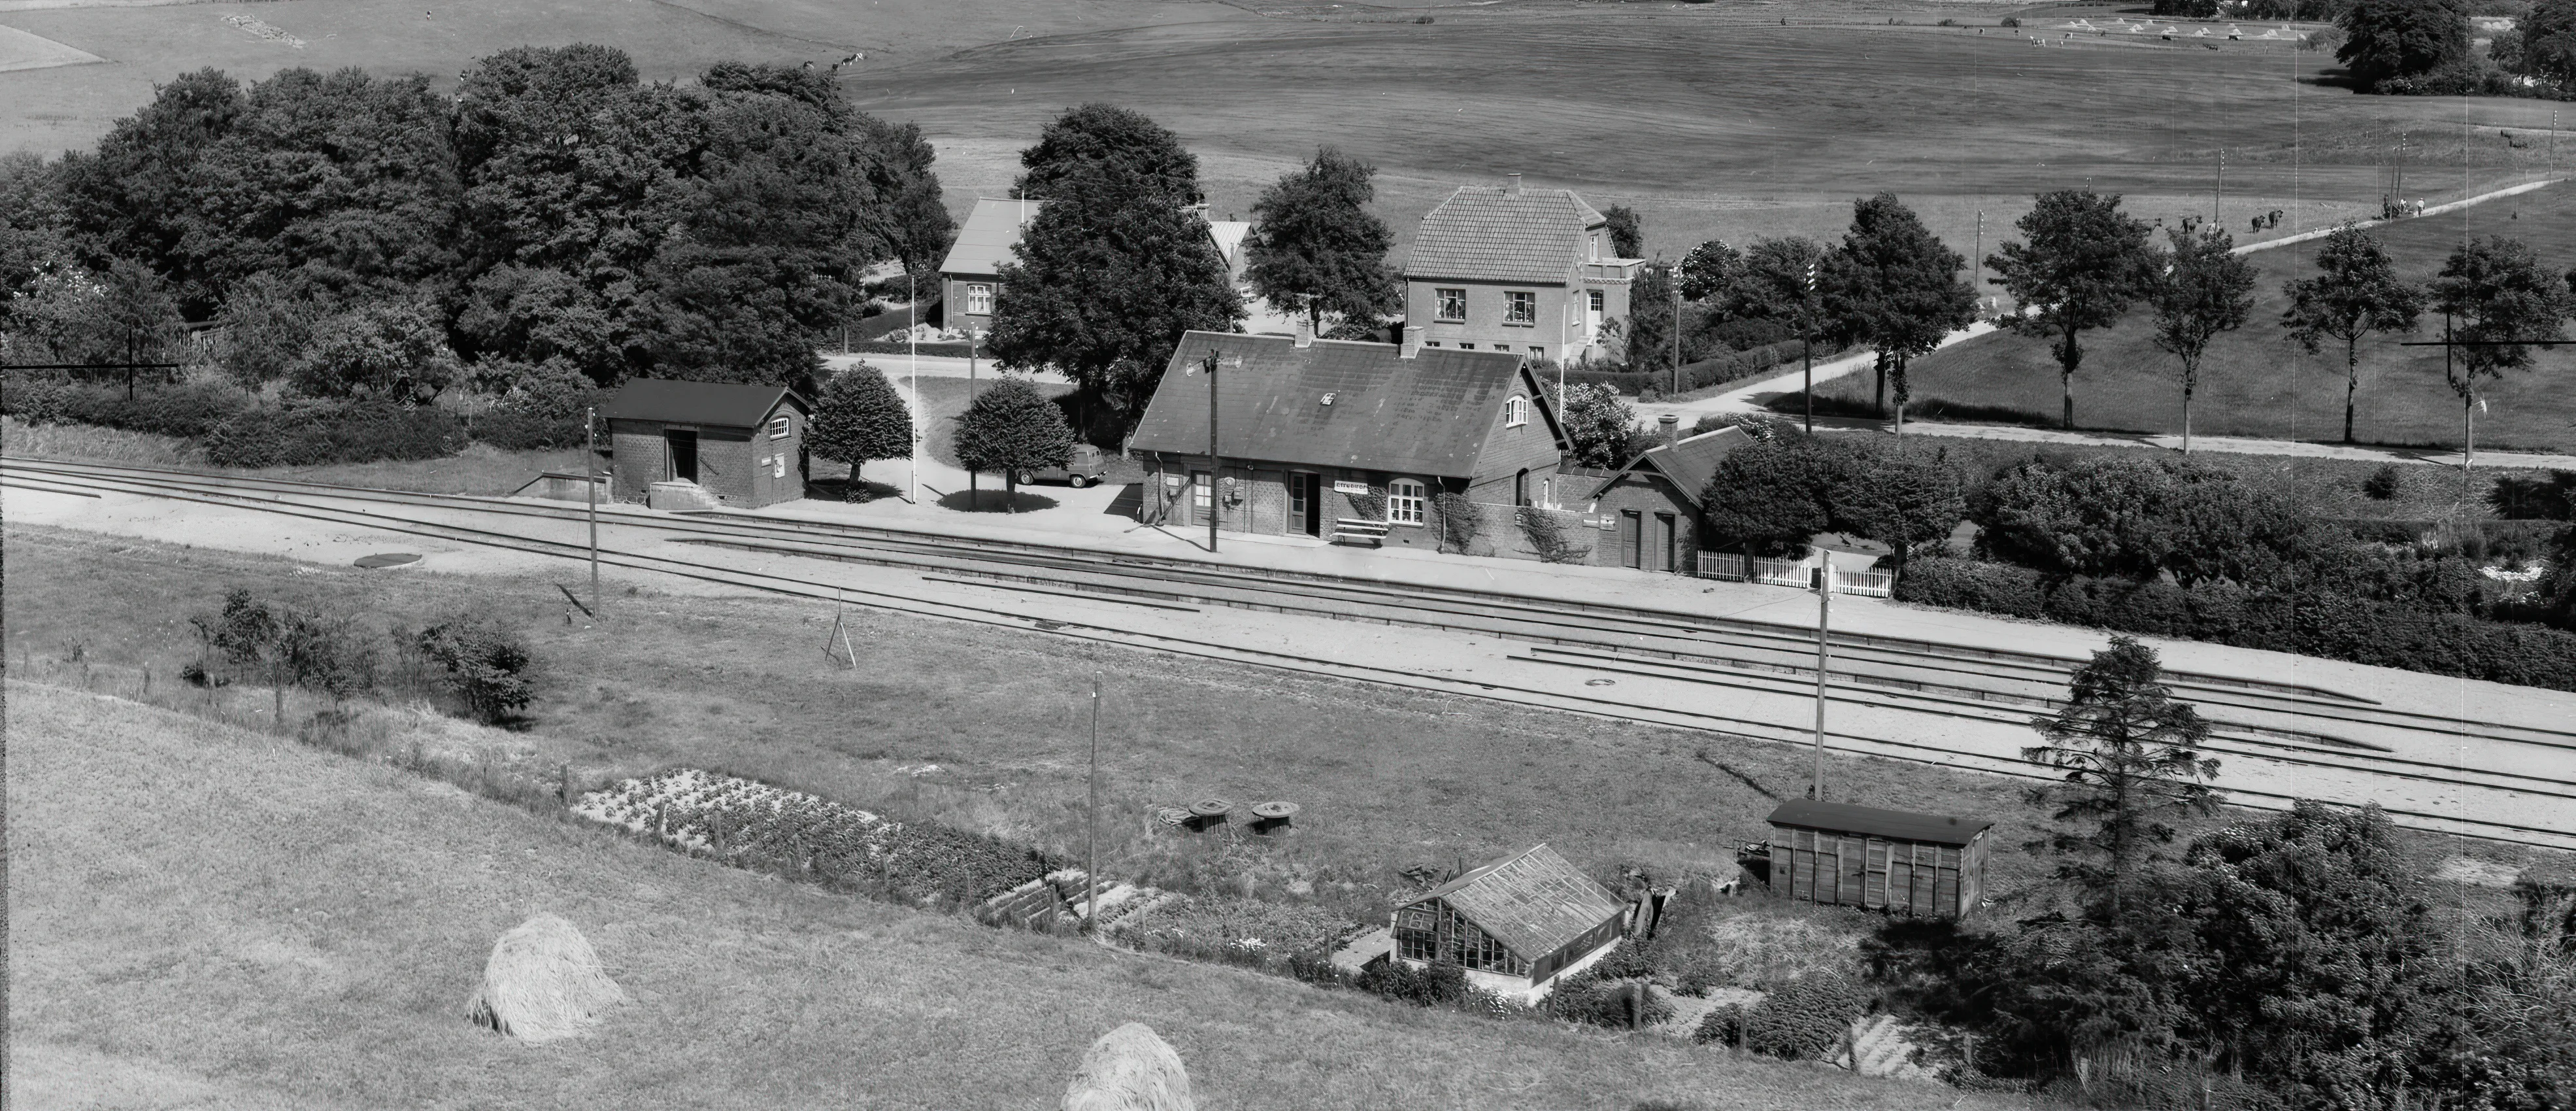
(1514, 925)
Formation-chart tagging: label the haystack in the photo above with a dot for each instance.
(543, 983)
(1129, 1069)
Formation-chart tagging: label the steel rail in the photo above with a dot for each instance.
(1573, 703)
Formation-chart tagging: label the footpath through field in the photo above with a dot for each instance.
(1750, 397)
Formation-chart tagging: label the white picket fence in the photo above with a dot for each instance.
(1734, 567)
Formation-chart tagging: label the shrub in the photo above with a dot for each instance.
(1595, 998)
(1460, 521)
(166, 410)
(2383, 484)
(1721, 1026)
(1547, 537)
(2012, 21)
(2543, 499)
(2327, 622)
(1423, 987)
(313, 435)
(1803, 1019)
(487, 667)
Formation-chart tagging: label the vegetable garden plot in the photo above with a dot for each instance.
(756, 825)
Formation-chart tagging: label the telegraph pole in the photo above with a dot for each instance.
(912, 464)
(1824, 656)
(1091, 822)
(1806, 355)
(590, 479)
(1216, 464)
(2218, 193)
(1673, 278)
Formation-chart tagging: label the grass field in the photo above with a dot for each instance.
(203, 916)
(1389, 779)
(2258, 383)
(1713, 120)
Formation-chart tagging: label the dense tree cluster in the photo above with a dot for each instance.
(1315, 246)
(555, 213)
(1115, 268)
(1772, 495)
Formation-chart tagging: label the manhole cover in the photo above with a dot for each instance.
(389, 559)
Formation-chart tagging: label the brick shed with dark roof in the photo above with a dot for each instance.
(742, 445)
(1316, 433)
(1528, 271)
(1922, 865)
(1515, 923)
(1655, 502)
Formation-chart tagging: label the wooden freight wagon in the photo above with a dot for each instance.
(1921, 865)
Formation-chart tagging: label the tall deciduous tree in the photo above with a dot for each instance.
(132, 196)
(1899, 289)
(2130, 762)
(392, 352)
(2495, 285)
(859, 417)
(908, 215)
(1709, 270)
(1110, 275)
(1627, 231)
(2546, 43)
(134, 319)
(2401, 38)
(2357, 295)
(1110, 142)
(264, 331)
(1781, 281)
(1012, 428)
(32, 228)
(1314, 242)
(2081, 263)
(1600, 426)
(2205, 288)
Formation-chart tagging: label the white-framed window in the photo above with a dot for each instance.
(1406, 502)
(1538, 352)
(1516, 412)
(1520, 307)
(1452, 304)
(1502, 347)
(1202, 492)
(779, 426)
(979, 299)
(1596, 246)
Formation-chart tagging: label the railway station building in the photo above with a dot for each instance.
(1525, 271)
(705, 444)
(1342, 440)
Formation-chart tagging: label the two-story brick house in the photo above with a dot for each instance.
(971, 275)
(1314, 433)
(1528, 271)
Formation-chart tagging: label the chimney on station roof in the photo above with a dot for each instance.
(1511, 185)
(1305, 330)
(1671, 426)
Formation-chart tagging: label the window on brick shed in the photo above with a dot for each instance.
(1520, 307)
(1405, 500)
(979, 299)
(1452, 304)
(778, 427)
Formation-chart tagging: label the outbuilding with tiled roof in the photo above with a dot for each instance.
(705, 443)
(1513, 924)
(1508, 268)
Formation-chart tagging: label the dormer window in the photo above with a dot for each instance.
(1596, 246)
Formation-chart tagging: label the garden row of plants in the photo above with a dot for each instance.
(235, 430)
(1730, 366)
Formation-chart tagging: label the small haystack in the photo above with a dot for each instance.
(1130, 1069)
(543, 983)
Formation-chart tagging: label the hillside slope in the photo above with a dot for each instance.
(213, 917)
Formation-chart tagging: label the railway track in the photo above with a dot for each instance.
(2320, 732)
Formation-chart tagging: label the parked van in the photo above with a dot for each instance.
(1089, 465)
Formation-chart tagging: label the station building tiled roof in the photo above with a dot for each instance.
(990, 237)
(1363, 406)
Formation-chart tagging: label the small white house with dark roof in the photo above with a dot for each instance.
(1527, 271)
(971, 275)
(1514, 925)
(1341, 439)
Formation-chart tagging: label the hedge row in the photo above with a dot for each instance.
(881, 347)
(2308, 623)
(1730, 367)
(167, 410)
(312, 435)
